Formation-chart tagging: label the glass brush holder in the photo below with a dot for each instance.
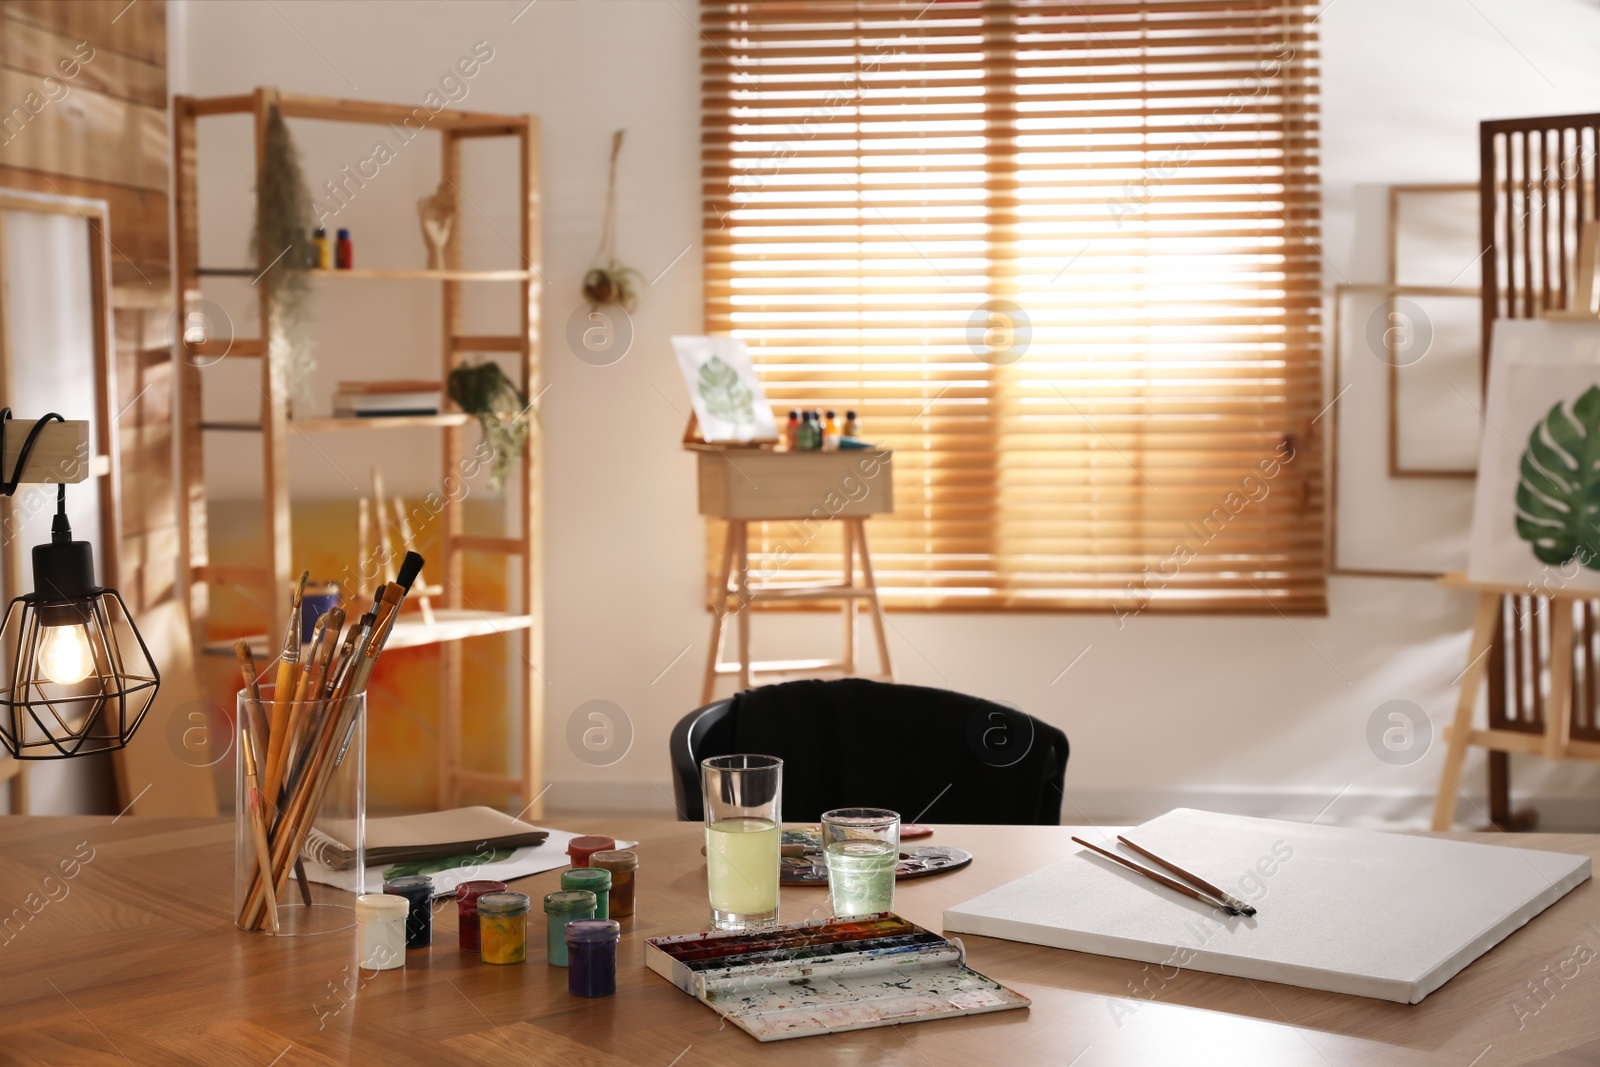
(301, 792)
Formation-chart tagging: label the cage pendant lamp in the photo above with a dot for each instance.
(80, 677)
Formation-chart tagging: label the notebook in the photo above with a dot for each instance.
(1391, 916)
(428, 836)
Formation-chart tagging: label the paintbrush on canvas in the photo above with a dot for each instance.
(828, 975)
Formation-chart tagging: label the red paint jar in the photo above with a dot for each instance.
(467, 894)
(579, 849)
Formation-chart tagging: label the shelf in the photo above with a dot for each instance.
(336, 423)
(379, 422)
(450, 624)
(382, 274)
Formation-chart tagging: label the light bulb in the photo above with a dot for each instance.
(64, 654)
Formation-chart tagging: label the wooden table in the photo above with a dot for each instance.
(135, 960)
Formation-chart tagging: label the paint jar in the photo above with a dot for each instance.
(596, 881)
(623, 865)
(503, 927)
(319, 599)
(418, 891)
(381, 918)
(467, 894)
(561, 908)
(579, 849)
(343, 251)
(592, 949)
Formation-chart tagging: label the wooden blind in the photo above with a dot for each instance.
(1062, 259)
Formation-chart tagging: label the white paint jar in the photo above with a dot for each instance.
(381, 926)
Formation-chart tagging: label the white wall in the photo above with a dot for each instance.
(1253, 714)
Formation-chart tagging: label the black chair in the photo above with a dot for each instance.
(930, 754)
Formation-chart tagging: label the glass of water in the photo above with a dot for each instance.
(862, 846)
(743, 798)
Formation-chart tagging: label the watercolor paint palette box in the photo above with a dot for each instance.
(828, 975)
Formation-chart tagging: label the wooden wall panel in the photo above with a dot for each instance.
(139, 253)
(85, 134)
(39, 51)
(108, 138)
(137, 30)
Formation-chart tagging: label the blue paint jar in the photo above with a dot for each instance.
(592, 957)
(418, 891)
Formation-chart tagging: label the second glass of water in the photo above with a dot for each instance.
(862, 846)
(743, 796)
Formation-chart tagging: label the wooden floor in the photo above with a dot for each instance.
(134, 960)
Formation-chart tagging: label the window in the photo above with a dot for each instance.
(1062, 258)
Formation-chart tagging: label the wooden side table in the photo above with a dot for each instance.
(804, 489)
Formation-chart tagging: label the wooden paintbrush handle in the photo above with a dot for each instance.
(278, 740)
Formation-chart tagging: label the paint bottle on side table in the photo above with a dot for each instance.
(830, 433)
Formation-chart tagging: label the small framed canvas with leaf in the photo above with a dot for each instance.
(1536, 516)
(729, 403)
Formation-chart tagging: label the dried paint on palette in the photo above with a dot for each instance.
(828, 975)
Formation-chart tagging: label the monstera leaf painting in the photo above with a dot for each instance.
(725, 394)
(1558, 493)
(725, 390)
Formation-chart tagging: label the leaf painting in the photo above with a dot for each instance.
(1558, 495)
(448, 863)
(726, 395)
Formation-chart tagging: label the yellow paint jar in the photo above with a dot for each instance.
(503, 927)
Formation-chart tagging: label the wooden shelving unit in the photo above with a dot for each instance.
(454, 622)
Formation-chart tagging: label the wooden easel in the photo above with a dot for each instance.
(1556, 743)
(370, 514)
(745, 484)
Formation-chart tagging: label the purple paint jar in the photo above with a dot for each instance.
(592, 957)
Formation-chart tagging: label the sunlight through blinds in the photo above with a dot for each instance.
(1063, 259)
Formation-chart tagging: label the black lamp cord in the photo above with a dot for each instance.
(60, 529)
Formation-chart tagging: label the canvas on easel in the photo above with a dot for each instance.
(730, 406)
(1535, 513)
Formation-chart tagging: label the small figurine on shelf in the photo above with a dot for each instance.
(438, 216)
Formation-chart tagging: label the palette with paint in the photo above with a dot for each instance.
(828, 975)
(804, 863)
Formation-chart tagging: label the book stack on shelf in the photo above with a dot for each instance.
(365, 400)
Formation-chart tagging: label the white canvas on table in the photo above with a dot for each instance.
(728, 400)
(1535, 366)
(1391, 916)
